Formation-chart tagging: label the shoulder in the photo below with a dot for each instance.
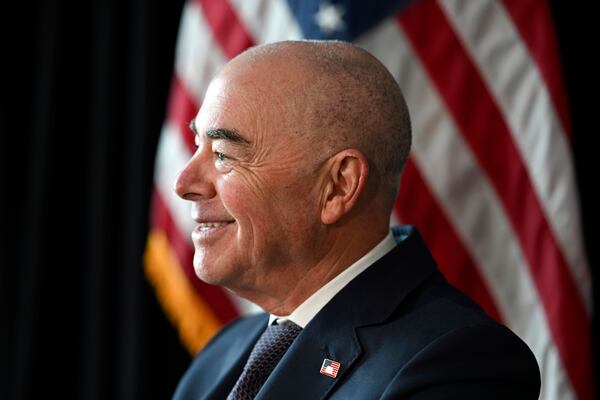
(458, 351)
(438, 343)
(469, 362)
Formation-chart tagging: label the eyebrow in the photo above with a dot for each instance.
(220, 133)
(225, 134)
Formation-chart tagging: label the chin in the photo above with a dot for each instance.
(212, 273)
(206, 275)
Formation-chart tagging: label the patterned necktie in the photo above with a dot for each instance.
(265, 355)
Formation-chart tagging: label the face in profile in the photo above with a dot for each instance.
(254, 187)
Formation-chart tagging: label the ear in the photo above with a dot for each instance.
(347, 178)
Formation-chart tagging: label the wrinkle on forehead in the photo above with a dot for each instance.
(271, 104)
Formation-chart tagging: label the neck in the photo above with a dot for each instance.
(343, 247)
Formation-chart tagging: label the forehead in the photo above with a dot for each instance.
(229, 102)
(244, 105)
(223, 99)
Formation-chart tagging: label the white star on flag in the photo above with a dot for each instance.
(329, 18)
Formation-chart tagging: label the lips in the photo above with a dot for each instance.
(204, 226)
(208, 230)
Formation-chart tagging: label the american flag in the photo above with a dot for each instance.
(330, 368)
(490, 182)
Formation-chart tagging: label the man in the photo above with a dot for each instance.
(300, 147)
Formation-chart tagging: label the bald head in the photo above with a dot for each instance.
(336, 95)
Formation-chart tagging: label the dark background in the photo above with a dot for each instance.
(84, 91)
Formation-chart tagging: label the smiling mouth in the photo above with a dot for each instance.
(204, 226)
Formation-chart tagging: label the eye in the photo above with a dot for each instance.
(222, 162)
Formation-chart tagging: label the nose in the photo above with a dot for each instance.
(194, 181)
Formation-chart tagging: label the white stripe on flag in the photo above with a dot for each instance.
(268, 21)
(171, 157)
(489, 36)
(198, 56)
(474, 213)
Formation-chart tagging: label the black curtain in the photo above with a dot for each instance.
(85, 86)
(578, 34)
(88, 88)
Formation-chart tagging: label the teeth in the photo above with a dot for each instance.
(208, 225)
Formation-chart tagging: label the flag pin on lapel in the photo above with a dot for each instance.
(330, 368)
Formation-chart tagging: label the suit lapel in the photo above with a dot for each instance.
(297, 375)
(332, 334)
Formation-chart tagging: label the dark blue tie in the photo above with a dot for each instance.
(265, 355)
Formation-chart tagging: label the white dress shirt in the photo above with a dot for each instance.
(306, 311)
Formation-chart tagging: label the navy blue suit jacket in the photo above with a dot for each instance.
(399, 331)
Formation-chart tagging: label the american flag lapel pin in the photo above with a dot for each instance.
(330, 368)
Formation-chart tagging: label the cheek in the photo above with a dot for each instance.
(252, 208)
(267, 208)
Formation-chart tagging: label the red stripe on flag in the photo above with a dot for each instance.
(417, 206)
(226, 26)
(182, 109)
(462, 88)
(214, 296)
(534, 22)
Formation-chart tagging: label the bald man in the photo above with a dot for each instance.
(300, 148)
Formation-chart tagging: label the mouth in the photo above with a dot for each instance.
(208, 231)
(205, 226)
